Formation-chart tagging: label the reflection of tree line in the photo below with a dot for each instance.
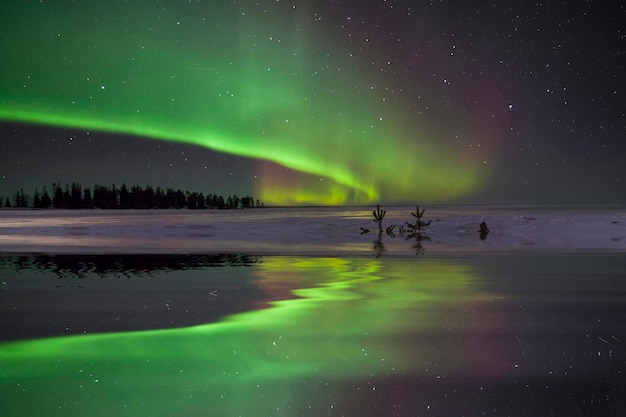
(135, 197)
(80, 266)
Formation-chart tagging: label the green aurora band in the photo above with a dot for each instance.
(349, 319)
(251, 83)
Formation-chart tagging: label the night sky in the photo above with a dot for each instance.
(318, 102)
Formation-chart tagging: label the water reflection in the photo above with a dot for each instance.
(359, 336)
(80, 266)
(379, 248)
(48, 295)
(345, 320)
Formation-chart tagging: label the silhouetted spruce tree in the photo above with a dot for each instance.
(21, 200)
(7, 202)
(124, 197)
(36, 199)
(161, 198)
(112, 197)
(136, 197)
(67, 196)
(76, 196)
(87, 199)
(211, 201)
(99, 196)
(57, 198)
(148, 198)
(45, 199)
(158, 194)
(171, 198)
(192, 200)
(181, 201)
(201, 201)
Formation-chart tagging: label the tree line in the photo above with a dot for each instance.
(74, 196)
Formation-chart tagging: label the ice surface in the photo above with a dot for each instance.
(310, 231)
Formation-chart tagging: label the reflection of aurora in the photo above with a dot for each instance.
(351, 319)
(236, 82)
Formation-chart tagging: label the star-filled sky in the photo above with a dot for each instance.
(318, 102)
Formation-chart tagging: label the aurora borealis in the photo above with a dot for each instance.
(322, 336)
(343, 325)
(316, 102)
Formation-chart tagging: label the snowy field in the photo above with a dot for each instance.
(311, 231)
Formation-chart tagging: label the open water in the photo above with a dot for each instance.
(404, 331)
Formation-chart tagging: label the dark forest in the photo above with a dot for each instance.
(74, 196)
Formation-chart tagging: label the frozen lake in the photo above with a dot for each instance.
(292, 312)
(309, 231)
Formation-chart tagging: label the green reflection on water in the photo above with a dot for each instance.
(348, 319)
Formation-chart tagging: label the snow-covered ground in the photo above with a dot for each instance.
(310, 231)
